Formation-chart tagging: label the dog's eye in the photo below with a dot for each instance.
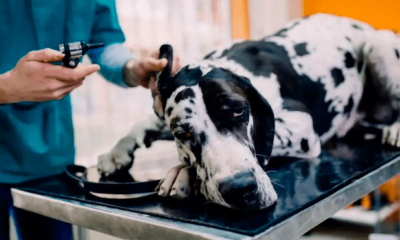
(183, 135)
(238, 113)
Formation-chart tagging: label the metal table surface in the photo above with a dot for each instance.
(334, 193)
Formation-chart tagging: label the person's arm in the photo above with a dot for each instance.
(106, 29)
(112, 60)
(35, 78)
(117, 64)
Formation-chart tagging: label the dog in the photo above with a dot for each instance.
(283, 95)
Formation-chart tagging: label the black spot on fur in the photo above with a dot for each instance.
(186, 128)
(169, 111)
(290, 132)
(188, 117)
(350, 104)
(188, 110)
(150, 137)
(355, 26)
(397, 53)
(203, 138)
(304, 145)
(256, 62)
(289, 144)
(294, 105)
(191, 101)
(360, 65)
(300, 65)
(185, 94)
(196, 150)
(210, 54)
(301, 49)
(174, 122)
(283, 32)
(279, 138)
(337, 76)
(186, 159)
(349, 60)
(279, 120)
(205, 123)
(348, 39)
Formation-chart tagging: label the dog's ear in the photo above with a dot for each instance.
(163, 80)
(167, 52)
(263, 123)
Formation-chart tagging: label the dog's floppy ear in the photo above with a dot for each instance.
(167, 52)
(263, 122)
(164, 84)
(163, 78)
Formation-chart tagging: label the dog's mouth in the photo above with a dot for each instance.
(247, 190)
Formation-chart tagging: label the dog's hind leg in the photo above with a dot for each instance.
(122, 154)
(295, 135)
(381, 101)
(382, 54)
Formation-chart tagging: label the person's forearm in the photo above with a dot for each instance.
(112, 60)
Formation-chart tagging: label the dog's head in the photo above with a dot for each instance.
(224, 128)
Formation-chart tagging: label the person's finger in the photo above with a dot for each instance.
(155, 54)
(63, 91)
(45, 55)
(68, 74)
(154, 65)
(53, 84)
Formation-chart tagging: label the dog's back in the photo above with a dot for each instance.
(314, 64)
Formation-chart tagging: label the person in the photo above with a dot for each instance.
(36, 131)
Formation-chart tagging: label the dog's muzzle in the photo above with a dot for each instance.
(241, 190)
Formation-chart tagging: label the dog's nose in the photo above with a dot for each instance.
(240, 190)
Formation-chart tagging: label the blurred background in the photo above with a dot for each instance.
(103, 113)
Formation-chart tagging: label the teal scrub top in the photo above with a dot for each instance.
(36, 139)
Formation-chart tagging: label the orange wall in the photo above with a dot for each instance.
(240, 19)
(379, 13)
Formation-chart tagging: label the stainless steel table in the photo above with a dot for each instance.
(132, 225)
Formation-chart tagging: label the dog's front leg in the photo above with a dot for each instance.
(295, 135)
(122, 154)
(179, 182)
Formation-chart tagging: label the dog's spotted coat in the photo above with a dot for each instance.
(283, 95)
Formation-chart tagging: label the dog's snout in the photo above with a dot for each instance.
(240, 190)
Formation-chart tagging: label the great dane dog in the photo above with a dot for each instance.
(283, 95)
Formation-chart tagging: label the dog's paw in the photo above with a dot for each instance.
(178, 183)
(119, 158)
(391, 135)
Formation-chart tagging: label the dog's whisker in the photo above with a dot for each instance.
(278, 184)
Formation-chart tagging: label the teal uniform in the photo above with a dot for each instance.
(36, 139)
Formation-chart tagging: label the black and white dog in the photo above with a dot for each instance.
(283, 95)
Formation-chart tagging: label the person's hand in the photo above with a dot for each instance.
(35, 78)
(141, 73)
